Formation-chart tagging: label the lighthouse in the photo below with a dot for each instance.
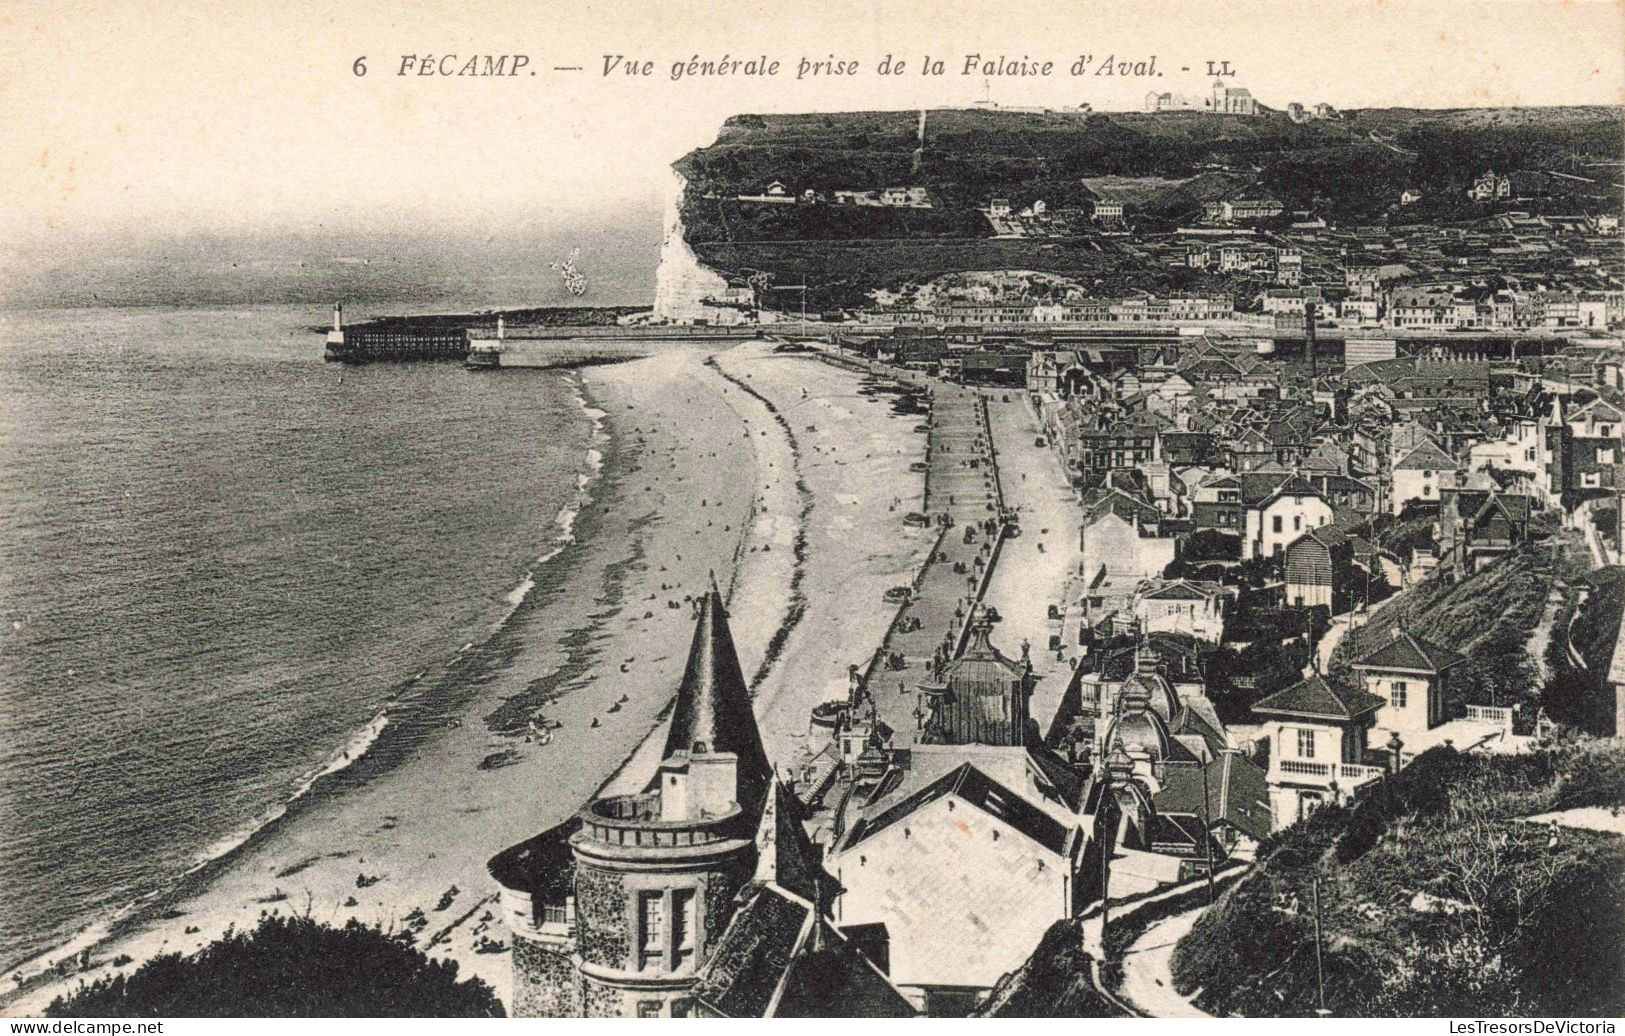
(485, 348)
(335, 337)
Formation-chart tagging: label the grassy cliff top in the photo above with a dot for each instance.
(873, 149)
(1163, 167)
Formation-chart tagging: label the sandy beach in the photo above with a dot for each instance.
(854, 459)
(724, 468)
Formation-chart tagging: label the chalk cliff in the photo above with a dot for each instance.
(685, 291)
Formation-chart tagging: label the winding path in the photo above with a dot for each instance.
(1148, 980)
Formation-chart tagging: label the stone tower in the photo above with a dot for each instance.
(651, 877)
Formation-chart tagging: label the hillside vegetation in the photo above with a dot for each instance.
(1488, 616)
(1579, 694)
(288, 967)
(1350, 169)
(973, 154)
(1436, 899)
(1055, 982)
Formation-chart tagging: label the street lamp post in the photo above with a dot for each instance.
(1105, 876)
(1207, 834)
(1320, 969)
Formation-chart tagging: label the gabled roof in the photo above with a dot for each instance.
(1295, 485)
(752, 956)
(1184, 590)
(1409, 435)
(1605, 411)
(1259, 486)
(838, 981)
(1327, 452)
(1410, 653)
(1250, 437)
(1122, 504)
(777, 960)
(1315, 698)
(1237, 794)
(972, 786)
(1334, 483)
(1426, 457)
(1190, 722)
(1210, 366)
(1473, 505)
(1326, 536)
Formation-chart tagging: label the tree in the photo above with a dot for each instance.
(1210, 545)
(288, 967)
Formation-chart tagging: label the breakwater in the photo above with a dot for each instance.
(446, 336)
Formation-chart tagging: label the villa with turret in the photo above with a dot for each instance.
(698, 896)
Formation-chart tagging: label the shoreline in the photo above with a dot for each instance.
(598, 631)
(325, 780)
(599, 638)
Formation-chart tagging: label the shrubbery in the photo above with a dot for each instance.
(288, 967)
(1489, 617)
(1436, 898)
(1055, 982)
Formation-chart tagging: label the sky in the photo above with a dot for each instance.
(130, 119)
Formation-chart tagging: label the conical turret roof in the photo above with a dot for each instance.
(713, 710)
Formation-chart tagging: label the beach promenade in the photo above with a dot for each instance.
(699, 477)
(1039, 568)
(964, 515)
(813, 492)
(1011, 549)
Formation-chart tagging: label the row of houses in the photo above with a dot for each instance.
(1133, 310)
(1217, 443)
(776, 193)
(1281, 265)
(1292, 473)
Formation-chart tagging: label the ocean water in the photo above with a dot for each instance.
(222, 564)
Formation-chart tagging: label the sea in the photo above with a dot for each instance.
(222, 579)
